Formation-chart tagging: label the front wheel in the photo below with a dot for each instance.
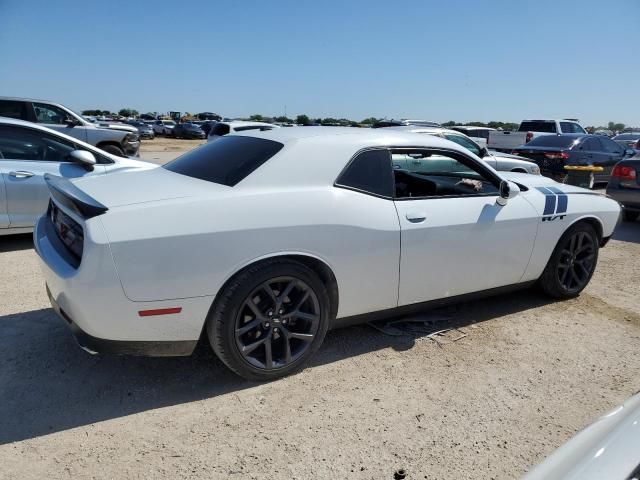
(269, 320)
(113, 149)
(572, 262)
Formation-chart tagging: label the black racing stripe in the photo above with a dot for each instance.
(563, 200)
(549, 201)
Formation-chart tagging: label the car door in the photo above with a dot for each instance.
(613, 153)
(27, 155)
(455, 238)
(54, 117)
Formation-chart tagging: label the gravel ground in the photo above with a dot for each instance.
(526, 377)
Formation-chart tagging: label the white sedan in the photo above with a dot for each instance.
(28, 151)
(265, 240)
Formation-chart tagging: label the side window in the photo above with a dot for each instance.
(13, 109)
(566, 127)
(591, 145)
(464, 142)
(18, 143)
(610, 146)
(49, 114)
(435, 173)
(370, 172)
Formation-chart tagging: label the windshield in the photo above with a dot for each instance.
(226, 161)
(169, 122)
(627, 136)
(537, 126)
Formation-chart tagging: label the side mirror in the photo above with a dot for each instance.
(508, 190)
(83, 157)
(483, 152)
(629, 152)
(71, 122)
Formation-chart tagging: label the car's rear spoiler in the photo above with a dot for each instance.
(70, 196)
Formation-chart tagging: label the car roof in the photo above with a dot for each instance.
(247, 123)
(39, 100)
(316, 155)
(472, 127)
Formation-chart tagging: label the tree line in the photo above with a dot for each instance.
(345, 122)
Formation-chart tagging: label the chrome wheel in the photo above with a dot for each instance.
(577, 261)
(277, 323)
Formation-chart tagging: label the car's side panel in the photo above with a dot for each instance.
(26, 191)
(557, 215)
(4, 216)
(455, 246)
(188, 248)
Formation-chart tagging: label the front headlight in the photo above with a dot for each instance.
(535, 170)
(132, 137)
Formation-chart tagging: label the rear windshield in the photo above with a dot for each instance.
(227, 161)
(538, 126)
(553, 141)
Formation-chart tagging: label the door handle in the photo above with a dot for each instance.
(416, 217)
(21, 174)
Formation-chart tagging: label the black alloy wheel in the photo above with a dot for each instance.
(269, 319)
(277, 323)
(577, 261)
(572, 262)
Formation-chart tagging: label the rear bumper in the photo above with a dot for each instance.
(89, 297)
(628, 198)
(95, 345)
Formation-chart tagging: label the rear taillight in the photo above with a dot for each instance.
(637, 145)
(557, 155)
(624, 172)
(529, 137)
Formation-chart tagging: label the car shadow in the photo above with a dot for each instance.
(48, 384)
(628, 232)
(10, 243)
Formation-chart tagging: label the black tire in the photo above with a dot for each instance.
(629, 216)
(572, 262)
(113, 149)
(287, 340)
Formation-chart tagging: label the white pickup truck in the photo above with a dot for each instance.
(505, 141)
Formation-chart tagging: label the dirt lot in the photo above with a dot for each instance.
(161, 149)
(527, 376)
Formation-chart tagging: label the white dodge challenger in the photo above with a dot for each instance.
(263, 241)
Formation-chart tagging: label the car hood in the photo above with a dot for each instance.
(608, 448)
(532, 181)
(122, 188)
(110, 126)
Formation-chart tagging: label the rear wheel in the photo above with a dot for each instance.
(572, 262)
(629, 216)
(269, 320)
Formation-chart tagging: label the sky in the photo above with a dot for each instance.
(462, 60)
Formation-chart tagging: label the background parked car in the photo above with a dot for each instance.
(624, 186)
(163, 127)
(29, 151)
(207, 125)
(224, 128)
(530, 129)
(628, 140)
(187, 130)
(500, 161)
(553, 152)
(480, 135)
(144, 129)
(121, 140)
